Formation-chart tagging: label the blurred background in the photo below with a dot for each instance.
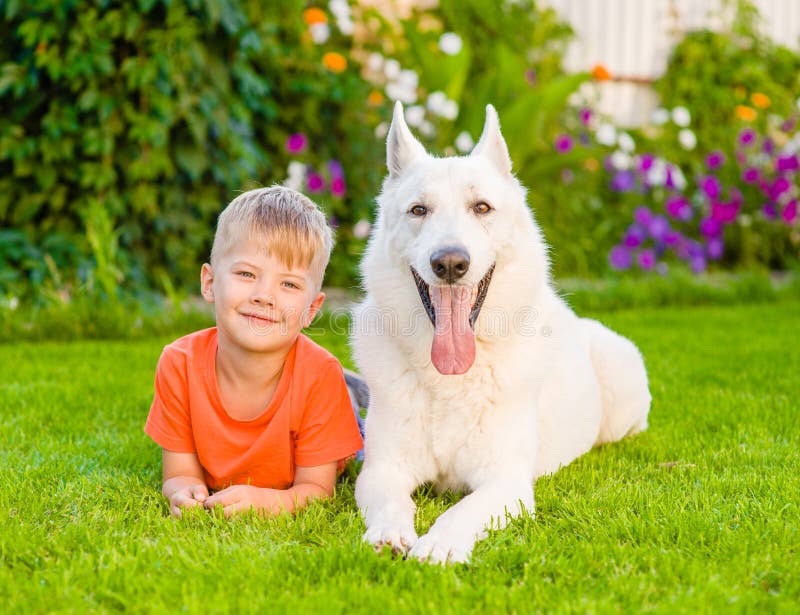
(657, 139)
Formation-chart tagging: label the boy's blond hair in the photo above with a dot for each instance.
(289, 225)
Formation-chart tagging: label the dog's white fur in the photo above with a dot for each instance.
(545, 387)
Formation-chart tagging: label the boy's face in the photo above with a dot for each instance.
(259, 303)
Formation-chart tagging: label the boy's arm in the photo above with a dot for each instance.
(310, 483)
(184, 484)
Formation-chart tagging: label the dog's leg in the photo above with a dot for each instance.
(383, 494)
(453, 535)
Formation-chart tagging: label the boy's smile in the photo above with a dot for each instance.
(260, 304)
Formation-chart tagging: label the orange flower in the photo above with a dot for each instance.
(760, 100)
(600, 73)
(315, 15)
(591, 164)
(375, 98)
(743, 112)
(41, 47)
(334, 62)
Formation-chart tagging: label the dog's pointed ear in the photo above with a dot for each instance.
(401, 146)
(492, 145)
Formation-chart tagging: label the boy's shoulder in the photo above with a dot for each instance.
(311, 354)
(193, 346)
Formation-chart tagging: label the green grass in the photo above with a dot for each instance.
(698, 514)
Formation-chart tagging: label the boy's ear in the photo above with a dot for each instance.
(206, 282)
(312, 310)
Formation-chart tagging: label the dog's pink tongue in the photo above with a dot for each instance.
(453, 350)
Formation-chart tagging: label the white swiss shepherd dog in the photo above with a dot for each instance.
(481, 377)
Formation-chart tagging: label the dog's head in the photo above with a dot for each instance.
(449, 223)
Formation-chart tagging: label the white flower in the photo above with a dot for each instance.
(320, 32)
(660, 116)
(396, 91)
(391, 68)
(464, 142)
(436, 102)
(381, 130)
(340, 8)
(687, 139)
(620, 160)
(450, 110)
(657, 174)
(678, 178)
(361, 229)
(375, 62)
(408, 79)
(606, 134)
(296, 169)
(346, 26)
(626, 142)
(450, 43)
(427, 129)
(415, 115)
(681, 116)
(13, 303)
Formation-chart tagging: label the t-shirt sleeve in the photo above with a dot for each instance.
(328, 430)
(169, 423)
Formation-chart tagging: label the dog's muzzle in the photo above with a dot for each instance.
(423, 288)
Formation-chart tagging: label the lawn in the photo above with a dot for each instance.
(698, 514)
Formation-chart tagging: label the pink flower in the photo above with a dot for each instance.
(315, 182)
(296, 143)
(789, 213)
(337, 186)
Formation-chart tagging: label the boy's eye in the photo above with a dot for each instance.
(245, 274)
(290, 285)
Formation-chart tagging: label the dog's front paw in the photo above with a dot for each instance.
(399, 539)
(439, 549)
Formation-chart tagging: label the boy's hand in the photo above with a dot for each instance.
(188, 496)
(240, 498)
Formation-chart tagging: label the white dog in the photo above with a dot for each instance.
(481, 377)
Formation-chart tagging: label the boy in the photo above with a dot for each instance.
(252, 409)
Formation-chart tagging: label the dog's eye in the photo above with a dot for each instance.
(481, 208)
(418, 210)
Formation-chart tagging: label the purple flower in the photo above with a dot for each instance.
(769, 211)
(623, 181)
(634, 236)
(778, 187)
(646, 259)
(586, 116)
(296, 143)
(789, 213)
(715, 159)
(672, 238)
(710, 227)
(333, 222)
(335, 168)
(787, 163)
(788, 125)
(567, 176)
(724, 212)
(711, 186)
(620, 257)
(768, 146)
(747, 136)
(564, 143)
(337, 186)
(698, 264)
(678, 207)
(584, 138)
(315, 183)
(751, 175)
(715, 248)
(669, 182)
(658, 228)
(530, 76)
(642, 215)
(646, 162)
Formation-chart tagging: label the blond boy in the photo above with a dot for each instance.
(252, 410)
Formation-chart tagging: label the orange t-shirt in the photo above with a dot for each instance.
(308, 422)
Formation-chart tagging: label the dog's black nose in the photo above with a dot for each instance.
(450, 264)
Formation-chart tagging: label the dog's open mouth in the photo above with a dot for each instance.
(453, 311)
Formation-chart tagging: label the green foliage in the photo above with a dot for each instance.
(158, 114)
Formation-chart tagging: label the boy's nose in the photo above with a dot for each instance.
(263, 295)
